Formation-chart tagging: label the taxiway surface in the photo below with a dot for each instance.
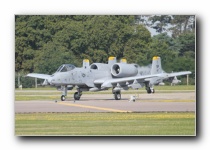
(158, 102)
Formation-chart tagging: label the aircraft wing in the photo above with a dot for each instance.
(173, 74)
(40, 76)
(107, 83)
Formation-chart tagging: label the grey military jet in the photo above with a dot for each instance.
(100, 76)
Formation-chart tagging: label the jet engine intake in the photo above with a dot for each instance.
(98, 66)
(124, 70)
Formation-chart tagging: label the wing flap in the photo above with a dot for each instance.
(109, 82)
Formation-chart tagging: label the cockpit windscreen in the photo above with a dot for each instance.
(65, 68)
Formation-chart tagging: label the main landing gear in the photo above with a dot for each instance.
(77, 94)
(150, 90)
(117, 95)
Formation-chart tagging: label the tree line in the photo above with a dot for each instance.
(44, 42)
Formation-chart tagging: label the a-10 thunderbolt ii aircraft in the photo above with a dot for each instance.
(101, 76)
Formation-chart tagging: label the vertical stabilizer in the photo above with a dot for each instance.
(86, 63)
(156, 65)
(112, 60)
(123, 60)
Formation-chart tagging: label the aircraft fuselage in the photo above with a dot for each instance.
(78, 76)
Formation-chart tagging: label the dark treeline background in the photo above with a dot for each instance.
(44, 42)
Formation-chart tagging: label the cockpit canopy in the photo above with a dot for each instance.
(65, 68)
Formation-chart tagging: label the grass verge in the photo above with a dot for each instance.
(135, 124)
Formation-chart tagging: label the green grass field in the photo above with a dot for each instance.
(134, 124)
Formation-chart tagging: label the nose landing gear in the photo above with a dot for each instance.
(63, 98)
(64, 94)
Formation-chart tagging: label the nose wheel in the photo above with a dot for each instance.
(64, 93)
(63, 98)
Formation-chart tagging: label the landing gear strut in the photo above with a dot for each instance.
(77, 94)
(64, 94)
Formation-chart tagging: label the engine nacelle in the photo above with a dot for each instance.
(124, 70)
(99, 66)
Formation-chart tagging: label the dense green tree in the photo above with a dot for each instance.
(160, 22)
(51, 57)
(137, 46)
(176, 24)
(43, 43)
(182, 24)
(170, 50)
(161, 45)
(187, 44)
(109, 33)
